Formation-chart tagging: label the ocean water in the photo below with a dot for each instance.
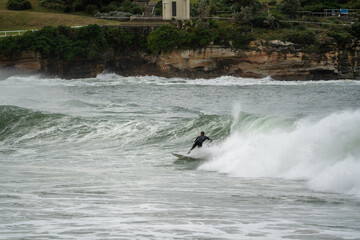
(91, 158)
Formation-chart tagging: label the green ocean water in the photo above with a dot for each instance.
(91, 158)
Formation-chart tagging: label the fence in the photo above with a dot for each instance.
(12, 33)
(19, 32)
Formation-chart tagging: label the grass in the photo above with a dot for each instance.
(39, 17)
(24, 20)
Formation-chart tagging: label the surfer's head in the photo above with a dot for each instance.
(202, 134)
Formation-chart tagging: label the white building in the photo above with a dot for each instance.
(177, 9)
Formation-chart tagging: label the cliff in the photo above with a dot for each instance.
(280, 60)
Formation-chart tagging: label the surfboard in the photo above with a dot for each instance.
(185, 157)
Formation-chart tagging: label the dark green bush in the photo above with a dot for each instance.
(300, 37)
(164, 38)
(18, 5)
(223, 35)
(341, 38)
(290, 7)
(259, 21)
(354, 4)
(106, 9)
(120, 40)
(158, 8)
(355, 30)
(59, 42)
(91, 9)
(78, 5)
(272, 3)
(53, 4)
(241, 37)
(93, 37)
(194, 36)
(199, 37)
(68, 9)
(319, 7)
(129, 6)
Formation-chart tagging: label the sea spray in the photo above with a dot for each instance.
(325, 152)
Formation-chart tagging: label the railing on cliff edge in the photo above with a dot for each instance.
(13, 33)
(19, 32)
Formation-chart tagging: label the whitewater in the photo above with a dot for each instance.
(91, 158)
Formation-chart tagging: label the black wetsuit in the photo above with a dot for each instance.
(199, 141)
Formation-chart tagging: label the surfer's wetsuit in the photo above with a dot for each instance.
(199, 141)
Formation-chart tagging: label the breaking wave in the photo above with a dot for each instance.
(325, 152)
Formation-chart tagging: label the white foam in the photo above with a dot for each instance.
(112, 79)
(325, 152)
(220, 81)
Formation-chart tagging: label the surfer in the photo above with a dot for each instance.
(199, 141)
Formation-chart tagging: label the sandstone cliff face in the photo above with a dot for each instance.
(280, 60)
(28, 62)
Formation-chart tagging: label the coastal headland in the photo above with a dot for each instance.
(122, 50)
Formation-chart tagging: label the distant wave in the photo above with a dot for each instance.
(324, 152)
(30, 127)
(112, 79)
(220, 81)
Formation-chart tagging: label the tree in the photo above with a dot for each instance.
(245, 15)
(18, 5)
(271, 21)
(204, 12)
(290, 7)
(238, 4)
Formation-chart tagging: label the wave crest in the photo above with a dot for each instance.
(325, 152)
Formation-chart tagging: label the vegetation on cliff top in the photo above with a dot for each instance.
(67, 43)
(193, 35)
(253, 20)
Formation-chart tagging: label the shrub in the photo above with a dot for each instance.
(342, 39)
(290, 7)
(158, 8)
(68, 9)
(164, 38)
(272, 3)
(319, 7)
(18, 5)
(120, 40)
(194, 9)
(78, 5)
(59, 42)
(260, 21)
(91, 9)
(224, 35)
(278, 15)
(137, 9)
(93, 38)
(199, 37)
(53, 4)
(168, 37)
(354, 4)
(129, 6)
(355, 30)
(300, 37)
(241, 37)
(106, 9)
